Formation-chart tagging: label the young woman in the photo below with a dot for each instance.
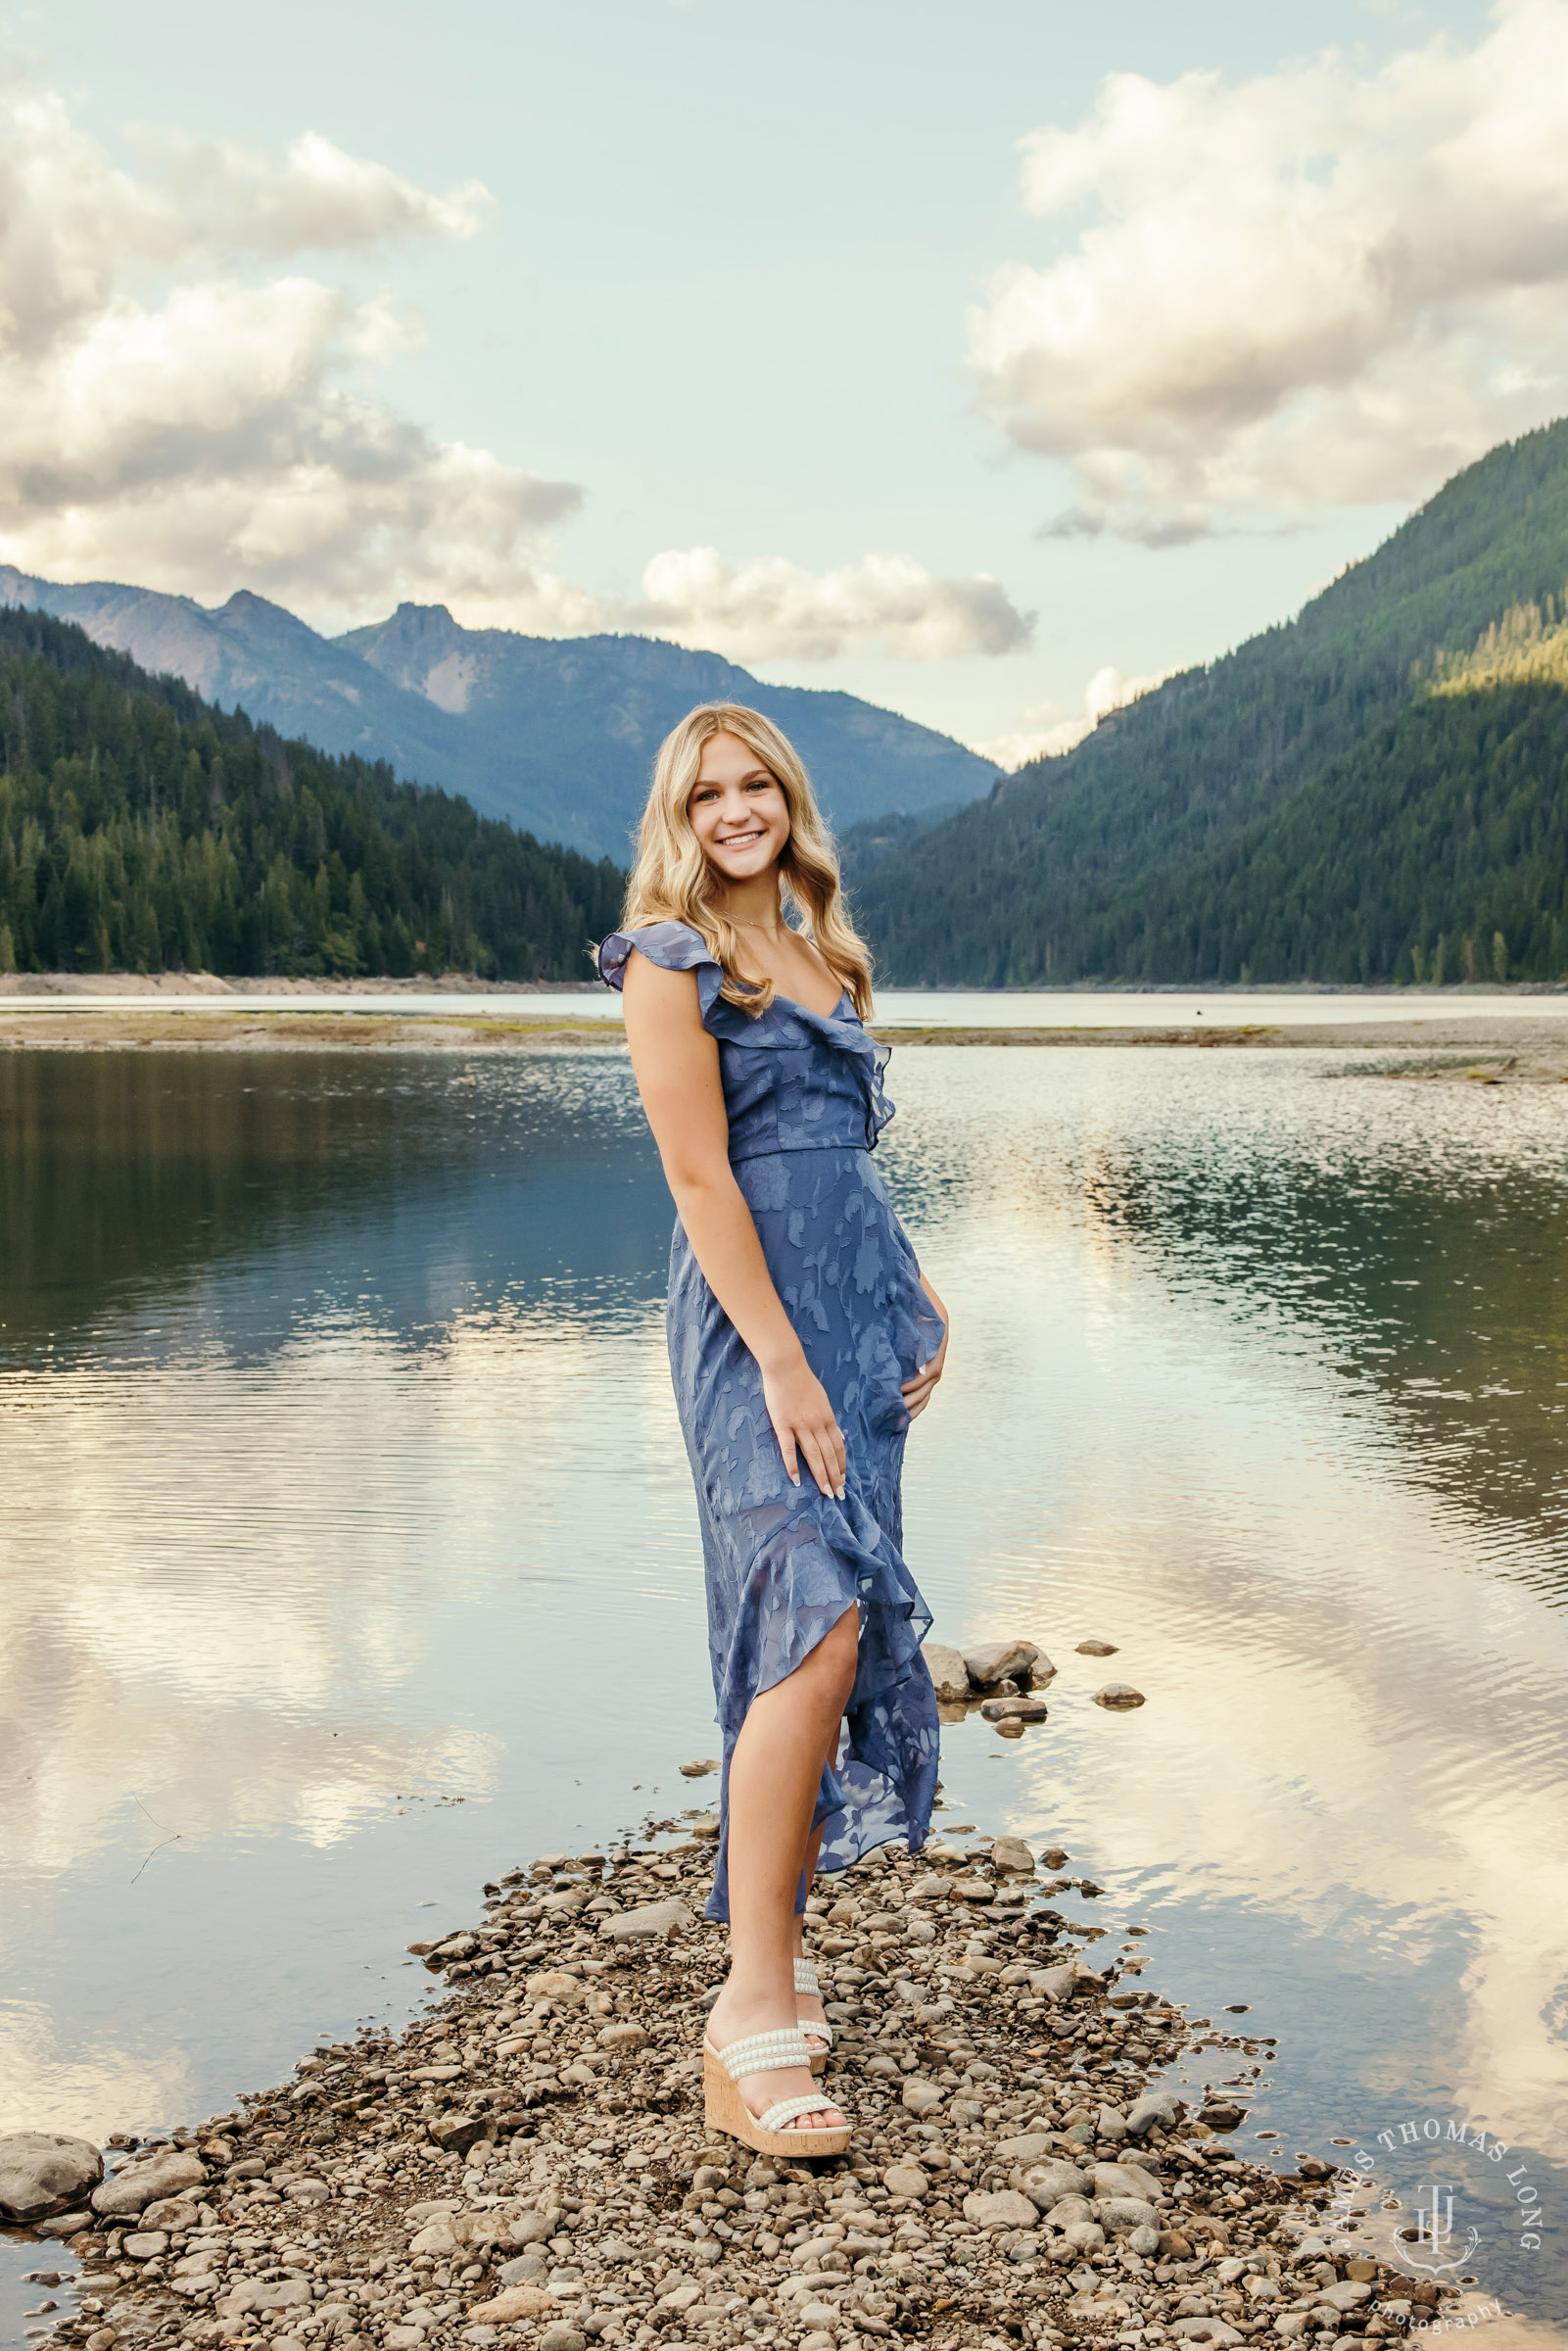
(803, 1340)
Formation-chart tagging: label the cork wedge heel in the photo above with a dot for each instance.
(725, 2109)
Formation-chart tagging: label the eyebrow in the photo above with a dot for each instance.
(754, 775)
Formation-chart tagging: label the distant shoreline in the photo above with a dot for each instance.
(31, 986)
(1530, 1050)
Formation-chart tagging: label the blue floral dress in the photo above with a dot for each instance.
(783, 1562)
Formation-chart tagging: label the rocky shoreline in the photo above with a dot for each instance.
(526, 2163)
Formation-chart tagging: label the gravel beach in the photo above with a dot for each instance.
(527, 2163)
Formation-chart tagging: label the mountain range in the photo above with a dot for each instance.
(558, 735)
(1376, 791)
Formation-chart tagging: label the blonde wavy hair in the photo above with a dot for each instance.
(672, 882)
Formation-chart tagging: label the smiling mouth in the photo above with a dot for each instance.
(742, 841)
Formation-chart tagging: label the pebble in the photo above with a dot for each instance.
(518, 2301)
(701, 1768)
(649, 1918)
(1048, 2183)
(1010, 2182)
(1006, 2210)
(1125, 2180)
(1096, 1649)
(1162, 2106)
(143, 2182)
(920, 2097)
(1119, 1695)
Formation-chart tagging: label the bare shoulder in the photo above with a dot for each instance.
(659, 1002)
(656, 984)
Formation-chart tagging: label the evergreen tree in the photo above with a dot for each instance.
(141, 829)
(1375, 792)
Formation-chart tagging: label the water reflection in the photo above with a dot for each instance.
(350, 1553)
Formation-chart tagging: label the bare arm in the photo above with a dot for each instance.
(917, 1392)
(677, 1065)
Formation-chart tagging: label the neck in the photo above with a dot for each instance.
(755, 903)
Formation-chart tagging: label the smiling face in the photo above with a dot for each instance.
(737, 810)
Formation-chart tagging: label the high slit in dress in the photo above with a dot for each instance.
(783, 1562)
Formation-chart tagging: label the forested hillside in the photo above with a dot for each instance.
(558, 735)
(142, 829)
(1373, 791)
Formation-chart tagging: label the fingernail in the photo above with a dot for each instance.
(795, 1481)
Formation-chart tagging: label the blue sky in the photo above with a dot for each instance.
(735, 276)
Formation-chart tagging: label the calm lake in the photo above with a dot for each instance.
(350, 1556)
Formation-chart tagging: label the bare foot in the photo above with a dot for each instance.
(732, 2019)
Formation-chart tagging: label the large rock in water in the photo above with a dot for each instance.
(948, 1671)
(43, 2172)
(1002, 1661)
(1011, 1853)
(164, 2173)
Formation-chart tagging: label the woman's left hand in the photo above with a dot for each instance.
(917, 1392)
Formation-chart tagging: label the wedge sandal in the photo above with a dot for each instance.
(806, 1982)
(725, 2109)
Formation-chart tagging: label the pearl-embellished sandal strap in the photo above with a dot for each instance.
(766, 2054)
(806, 1977)
(787, 2109)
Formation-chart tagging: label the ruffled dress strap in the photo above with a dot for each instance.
(674, 947)
(677, 947)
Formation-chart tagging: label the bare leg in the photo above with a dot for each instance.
(773, 1775)
(808, 2004)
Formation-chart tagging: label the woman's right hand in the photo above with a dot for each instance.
(803, 1423)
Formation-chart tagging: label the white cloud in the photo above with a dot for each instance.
(220, 434)
(769, 609)
(177, 418)
(320, 196)
(1319, 287)
(1048, 731)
